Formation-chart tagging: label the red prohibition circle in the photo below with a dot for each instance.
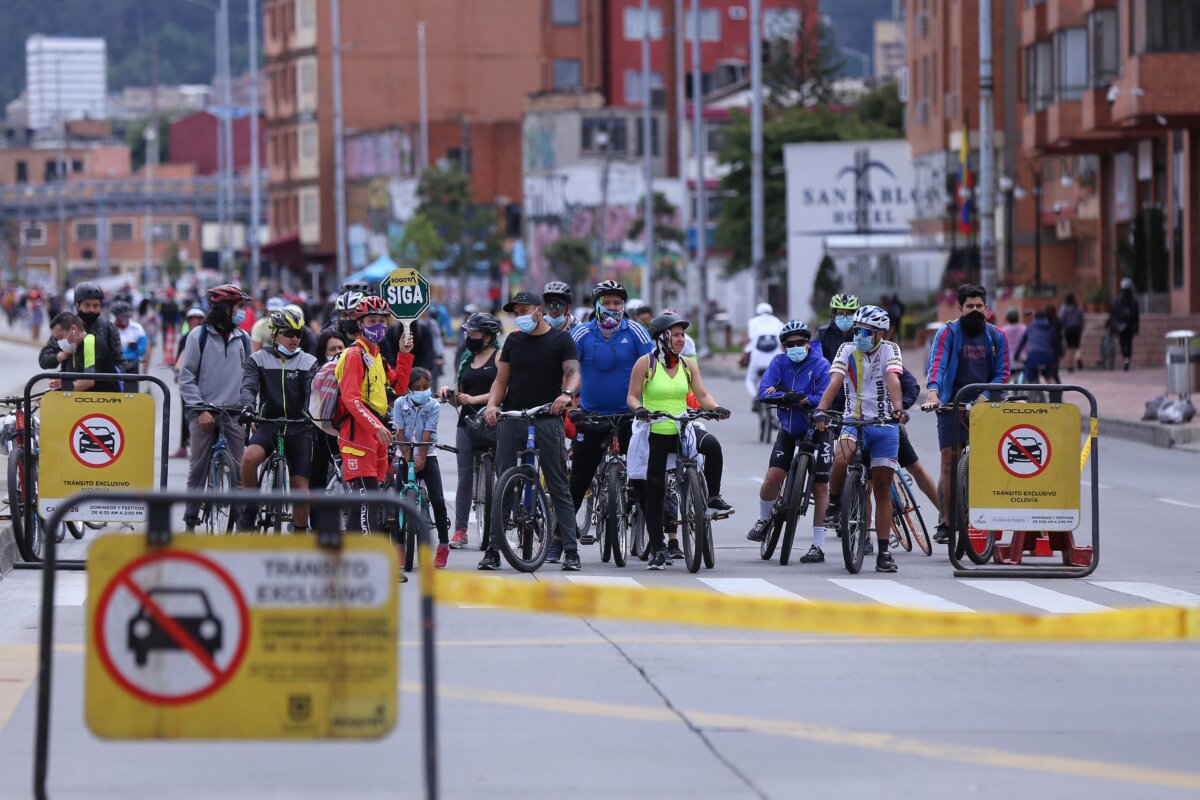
(124, 575)
(115, 455)
(1004, 440)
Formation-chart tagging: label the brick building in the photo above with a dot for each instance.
(193, 140)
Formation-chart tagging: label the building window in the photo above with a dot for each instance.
(716, 135)
(778, 23)
(568, 73)
(183, 232)
(161, 231)
(710, 25)
(307, 142)
(305, 14)
(600, 135)
(120, 231)
(634, 93)
(635, 24)
(77, 165)
(1071, 74)
(85, 231)
(641, 137)
(1171, 26)
(34, 234)
(565, 12)
(1104, 52)
(310, 208)
(1039, 84)
(22, 172)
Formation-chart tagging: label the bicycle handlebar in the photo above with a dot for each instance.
(779, 401)
(529, 413)
(211, 409)
(17, 400)
(689, 415)
(438, 445)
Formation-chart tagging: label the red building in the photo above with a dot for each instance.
(193, 140)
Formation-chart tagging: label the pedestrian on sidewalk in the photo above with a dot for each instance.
(1124, 318)
(1071, 316)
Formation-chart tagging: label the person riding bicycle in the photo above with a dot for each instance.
(476, 374)
(762, 345)
(415, 417)
(661, 381)
(133, 338)
(276, 383)
(558, 297)
(870, 369)
(798, 376)
(89, 298)
(214, 354)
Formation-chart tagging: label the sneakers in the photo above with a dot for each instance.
(869, 547)
(555, 552)
(759, 531)
(815, 555)
(459, 540)
(570, 562)
(885, 563)
(674, 550)
(942, 534)
(658, 560)
(716, 503)
(443, 553)
(833, 515)
(490, 561)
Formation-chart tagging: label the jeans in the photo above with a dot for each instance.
(510, 437)
(200, 454)
(588, 451)
(466, 479)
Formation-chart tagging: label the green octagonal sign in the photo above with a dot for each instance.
(406, 292)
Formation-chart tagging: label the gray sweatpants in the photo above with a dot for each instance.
(200, 454)
(466, 479)
(510, 437)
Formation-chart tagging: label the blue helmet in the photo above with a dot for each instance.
(795, 326)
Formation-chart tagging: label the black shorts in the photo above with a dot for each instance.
(785, 447)
(907, 455)
(297, 446)
(1073, 337)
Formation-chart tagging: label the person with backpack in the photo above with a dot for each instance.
(213, 356)
(330, 345)
(1070, 315)
(1125, 319)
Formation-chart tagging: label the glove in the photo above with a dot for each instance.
(246, 416)
(795, 398)
(819, 417)
(722, 413)
(575, 415)
(642, 414)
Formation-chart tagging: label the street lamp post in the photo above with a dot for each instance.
(1037, 230)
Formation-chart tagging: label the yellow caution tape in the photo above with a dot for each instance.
(692, 607)
(1093, 434)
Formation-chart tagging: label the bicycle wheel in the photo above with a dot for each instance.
(76, 529)
(692, 519)
(854, 521)
(913, 518)
(481, 502)
(407, 527)
(522, 518)
(792, 509)
(900, 536)
(979, 553)
(335, 485)
(222, 482)
(583, 516)
(637, 532)
(710, 549)
(19, 496)
(616, 534)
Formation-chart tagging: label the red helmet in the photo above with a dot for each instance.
(371, 304)
(227, 293)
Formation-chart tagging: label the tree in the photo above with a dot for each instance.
(826, 284)
(571, 259)
(468, 230)
(882, 106)
(173, 266)
(667, 238)
(420, 242)
(802, 65)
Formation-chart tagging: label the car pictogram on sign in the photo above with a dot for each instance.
(187, 608)
(1030, 448)
(101, 440)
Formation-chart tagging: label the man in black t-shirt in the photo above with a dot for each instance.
(538, 365)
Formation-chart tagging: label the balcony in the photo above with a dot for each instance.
(1095, 110)
(1151, 88)
(1033, 24)
(1063, 123)
(1033, 131)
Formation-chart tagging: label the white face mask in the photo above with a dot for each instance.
(65, 345)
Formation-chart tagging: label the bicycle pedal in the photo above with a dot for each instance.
(587, 539)
(721, 514)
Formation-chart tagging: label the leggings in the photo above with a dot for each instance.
(466, 479)
(432, 476)
(370, 516)
(714, 461)
(661, 445)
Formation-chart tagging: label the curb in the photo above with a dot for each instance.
(8, 551)
(25, 340)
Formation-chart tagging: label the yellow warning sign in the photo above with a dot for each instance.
(241, 637)
(96, 442)
(1024, 467)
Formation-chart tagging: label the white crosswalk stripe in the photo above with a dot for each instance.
(750, 587)
(1152, 591)
(601, 580)
(1037, 596)
(899, 595)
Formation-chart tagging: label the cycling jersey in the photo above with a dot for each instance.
(865, 376)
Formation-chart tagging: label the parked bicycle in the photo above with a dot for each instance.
(685, 484)
(21, 492)
(608, 493)
(216, 513)
(907, 523)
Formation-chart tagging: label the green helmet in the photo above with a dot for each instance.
(845, 302)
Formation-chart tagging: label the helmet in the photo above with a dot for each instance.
(370, 304)
(347, 301)
(484, 323)
(356, 286)
(664, 322)
(88, 291)
(795, 326)
(1126, 283)
(275, 303)
(559, 289)
(470, 308)
(297, 310)
(634, 304)
(1013, 315)
(194, 311)
(872, 317)
(845, 302)
(121, 309)
(609, 287)
(227, 293)
(764, 308)
(287, 318)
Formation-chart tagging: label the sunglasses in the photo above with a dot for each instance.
(861, 331)
(797, 342)
(288, 334)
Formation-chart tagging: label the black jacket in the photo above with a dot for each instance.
(106, 336)
(278, 387)
(829, 338)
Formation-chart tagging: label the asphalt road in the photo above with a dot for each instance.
(552, 706)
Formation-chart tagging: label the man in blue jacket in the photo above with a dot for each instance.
(798, 376)
(965, 351)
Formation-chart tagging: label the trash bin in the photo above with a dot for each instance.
(1183, 363)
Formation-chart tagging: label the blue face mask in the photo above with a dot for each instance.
(556, 321)
(526, 323)
(287, 351)
(797, 354)
(239, 316)
(843, 323)
(864, 344)
(422, 397)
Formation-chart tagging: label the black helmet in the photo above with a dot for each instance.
(88, 291)
(121, 309)
(664, 322)
(484, 323)
(357, 286)
(608, 287)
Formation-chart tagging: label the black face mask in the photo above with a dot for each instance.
(89, 317)
(349, 326)
(972, 323)
(476, 345)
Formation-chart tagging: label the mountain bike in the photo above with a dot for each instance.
(768, 422)
(855, 525)
(688, 488)
(522, 516)
(609, 514)
(907, 523)
(413, 489)
(13, 430)
(274, 477)
(980, 547)
(795, 497)
(216, 514)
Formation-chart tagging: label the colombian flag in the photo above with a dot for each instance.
(966, 181)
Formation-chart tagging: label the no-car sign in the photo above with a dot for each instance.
(1024, 451)
(97, 440)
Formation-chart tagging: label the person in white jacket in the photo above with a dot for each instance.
(762, 344)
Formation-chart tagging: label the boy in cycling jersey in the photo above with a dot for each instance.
(869, 368)
(416, 417)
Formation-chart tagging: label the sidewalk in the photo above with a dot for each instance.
(1120, 399)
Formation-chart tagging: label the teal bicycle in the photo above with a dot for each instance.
(405, 530)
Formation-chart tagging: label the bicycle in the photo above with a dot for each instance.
(13, 429)
(854, 525)
(522, 516)
(274, 477)
(415, 491)
(216, 515)
(608, 490)
(685, 484)
(768, 422)
(907, 523)
(981, 548)
(795, 497)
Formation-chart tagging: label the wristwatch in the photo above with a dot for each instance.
(572, 393)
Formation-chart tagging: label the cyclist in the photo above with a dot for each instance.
(761, 345)
(558, 296)
(85, 352)
(89, 298)
(835, 333)
(642, 313)
(212, 356)
(538, 365)
(277, 381)
(799, 377)
(476, 374)
(261, 334)
(661, 381)
(1014, 332)
(967, 350)
(133, 337)
(870, 370)
(415, 416)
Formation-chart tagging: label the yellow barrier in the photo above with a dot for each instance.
(769, 614)
(1093, 431)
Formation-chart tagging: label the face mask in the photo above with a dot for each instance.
(122, 324)
(65, 345)
(556, 321)
(609, 319)
(374, 333)
(475, 345)
(864, 343)
(526, 323)
(972, 323)
(287, 351)
(797, 354)
(349, 326)
(89, 317)
(239, 316)
(843, 323)
(422, 397)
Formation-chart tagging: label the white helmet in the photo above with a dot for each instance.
(763, 308)
(275, 303)
(872, 317)
(634, 304)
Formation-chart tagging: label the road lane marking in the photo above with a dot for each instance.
(1152, 591)
(878, 741)
(600, 580)
(899, 595)
(750, 587)
(70, 588)
(1180, 503)
(1037, 596)
(1103, 486)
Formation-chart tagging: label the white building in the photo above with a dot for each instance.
(65, 78)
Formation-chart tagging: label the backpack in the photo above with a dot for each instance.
(204, 343)
(324, 399)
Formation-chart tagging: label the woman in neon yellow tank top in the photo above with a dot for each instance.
(661, 381)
